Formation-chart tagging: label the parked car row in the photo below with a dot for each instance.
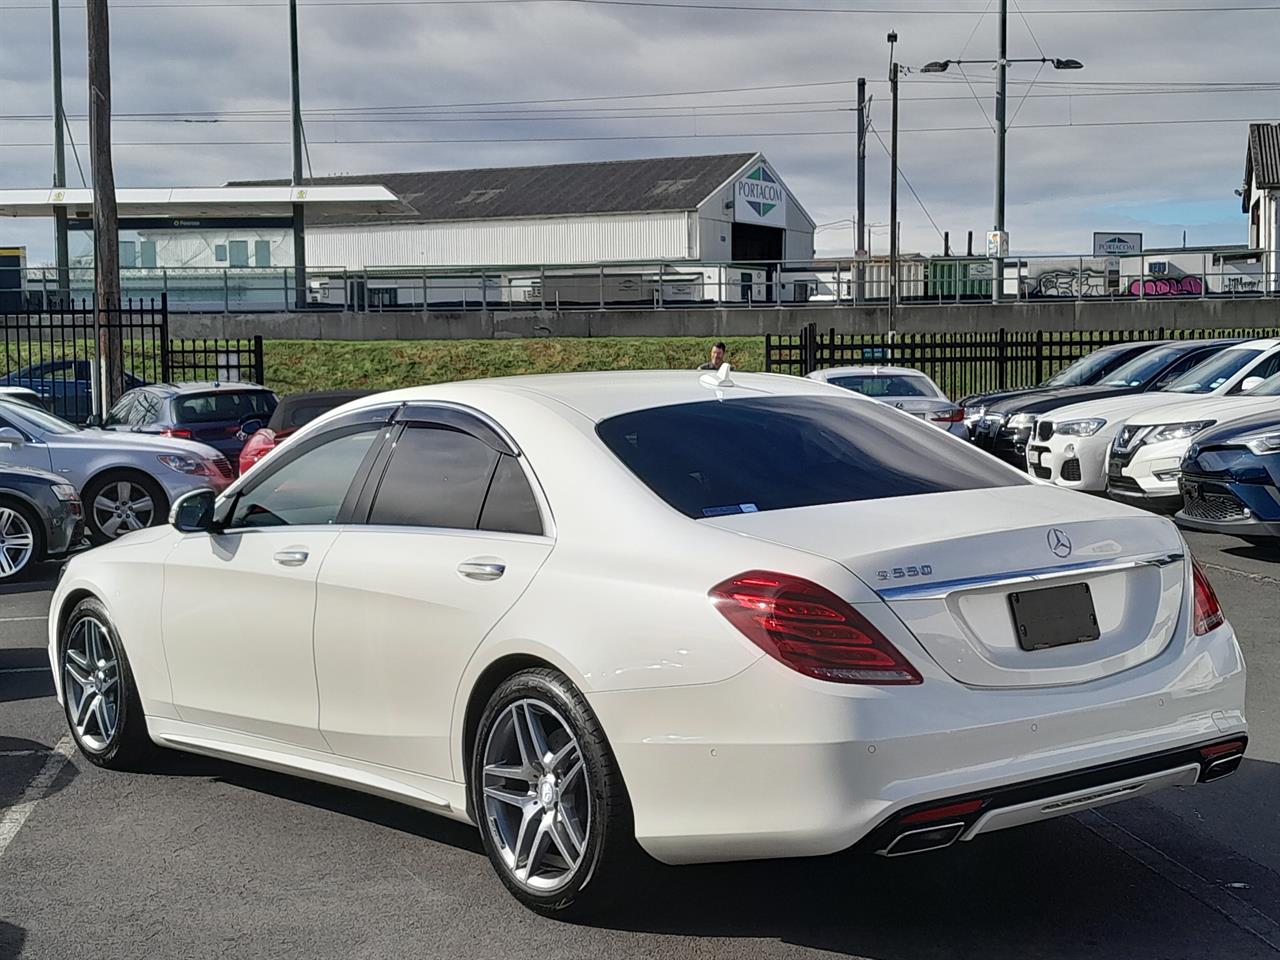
(63, 486)
(1134, 433)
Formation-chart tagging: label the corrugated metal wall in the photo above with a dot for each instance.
(619, 238)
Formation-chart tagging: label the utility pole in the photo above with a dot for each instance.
(860, 267)
(893, 189)
(299, 214)
(106, 228)
(61, 254)
(1002, 99)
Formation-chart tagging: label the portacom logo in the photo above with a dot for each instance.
(761, 190)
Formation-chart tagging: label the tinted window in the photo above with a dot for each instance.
(223, 405)
(885, 386)
(1269, 389)
(120, 412)
(1142, 367)
(146, 410)
(308, 489)
(1214, 372)
(436, 478)
(742, 456)
(1188, 362)
(1092, 368)
(510, 506)
(1266, 369)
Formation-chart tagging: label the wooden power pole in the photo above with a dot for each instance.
(106, 226)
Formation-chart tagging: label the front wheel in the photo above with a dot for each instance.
(546, 790)
(98, 692)
(119, 503)
(19, 540)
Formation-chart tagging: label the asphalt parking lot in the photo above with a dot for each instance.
(209, 859)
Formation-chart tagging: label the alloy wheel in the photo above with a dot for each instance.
(17, 542)
(123, 506)
(91, 683)
(537, 798)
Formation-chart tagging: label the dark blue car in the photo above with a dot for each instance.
(65, 386)
(1231, 480)
(221, 415)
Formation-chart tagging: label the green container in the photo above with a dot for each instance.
(959, 279)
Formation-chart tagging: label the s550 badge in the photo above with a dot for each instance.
(905, 573)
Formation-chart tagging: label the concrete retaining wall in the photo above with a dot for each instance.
(730, 322)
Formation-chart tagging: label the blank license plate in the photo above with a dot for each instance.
(1054, 616)
(1033, 457)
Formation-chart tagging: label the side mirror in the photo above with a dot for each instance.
(250, 427)
(193, 512)
(93, 420)
(1251, 382)
(11, 437)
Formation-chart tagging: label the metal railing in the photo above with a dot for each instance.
(922, 281)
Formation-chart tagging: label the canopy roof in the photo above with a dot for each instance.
(352, 199)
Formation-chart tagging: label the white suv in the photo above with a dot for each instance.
(1070, 447)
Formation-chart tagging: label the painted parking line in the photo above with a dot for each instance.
(11, 820)
(21, 619)
(25, 670)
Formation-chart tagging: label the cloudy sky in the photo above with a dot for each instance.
(420, 84)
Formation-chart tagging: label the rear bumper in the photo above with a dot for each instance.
(770, 764)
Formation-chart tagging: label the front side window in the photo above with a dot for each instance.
(710, 459)
(437, 477)
(308, 490)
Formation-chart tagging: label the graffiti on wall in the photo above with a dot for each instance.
(1167, 287)
(1072, 282)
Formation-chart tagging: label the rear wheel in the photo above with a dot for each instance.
(546, 790)
(20, 541)
(117, 503)
(98, 692)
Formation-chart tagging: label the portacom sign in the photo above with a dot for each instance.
(760, 198)
(1116, 244)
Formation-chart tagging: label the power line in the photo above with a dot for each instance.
(894, 226)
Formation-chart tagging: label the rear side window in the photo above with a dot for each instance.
(510, 506)
(437, 477)
(223, 405)
(711, 458)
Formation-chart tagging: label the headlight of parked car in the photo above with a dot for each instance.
(1022, 421)
(1079, 428)
(1177, 431)
(1262, 443)
(188, 465)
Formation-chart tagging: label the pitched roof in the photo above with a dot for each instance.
(619, 186)
(1263, 160)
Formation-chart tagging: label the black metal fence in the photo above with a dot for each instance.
(54, 353)
(964, 363)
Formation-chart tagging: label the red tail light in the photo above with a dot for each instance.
(181, 433)
(1208, 611)
(953, 416)
(810, 629)
(953, 811)
(256, 447)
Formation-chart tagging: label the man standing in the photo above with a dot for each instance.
(717, 358)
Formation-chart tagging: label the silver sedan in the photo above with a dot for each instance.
(906, 389)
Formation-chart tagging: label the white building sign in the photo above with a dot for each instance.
(759, 197)
(998, 244)
(1116, 244)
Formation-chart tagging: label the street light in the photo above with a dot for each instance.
(941, 66)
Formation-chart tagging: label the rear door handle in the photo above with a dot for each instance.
(291, 558)
(482, 569)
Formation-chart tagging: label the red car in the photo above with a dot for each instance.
(293, 413)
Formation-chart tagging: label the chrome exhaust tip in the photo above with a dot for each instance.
(924, 840)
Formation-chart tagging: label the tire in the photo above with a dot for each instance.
(591, 804)
(89, 638)
(19, 525)
(104, 523)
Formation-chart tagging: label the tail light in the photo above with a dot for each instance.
(1208, 611)
(950, 416)
(256, 447)
(810, 629)
(180, 433)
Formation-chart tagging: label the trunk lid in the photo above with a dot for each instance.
(947, 565)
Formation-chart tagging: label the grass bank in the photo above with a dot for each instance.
(294, 366)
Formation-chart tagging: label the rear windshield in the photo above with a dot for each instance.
(223, 405)
(885, 385)
(712, 459)
(295, 414)
(1214, 372)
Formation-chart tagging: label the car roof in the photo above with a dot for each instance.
(1264, 344)
(186, 387)
(599, 396)
(886, 371)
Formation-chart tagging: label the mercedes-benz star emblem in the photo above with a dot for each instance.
(1059, 543)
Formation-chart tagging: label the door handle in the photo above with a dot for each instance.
(482, 569)
(291, 558)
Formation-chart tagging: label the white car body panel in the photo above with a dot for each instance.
(615, 596)
(1092, 452)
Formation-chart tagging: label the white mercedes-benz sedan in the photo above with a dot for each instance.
(710, 617)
